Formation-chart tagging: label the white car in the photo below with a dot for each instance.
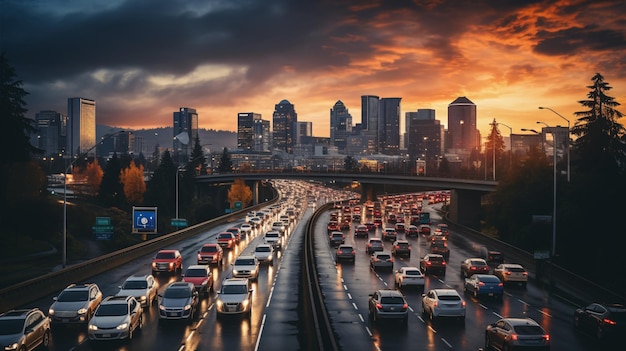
(279, 226)
(264, 253)
(273, 238)
(117, 317)
(409, 276)
(246, 266)
(443, 303)
(143, 287)
(235, 297)
(511, 273)
(245, 228)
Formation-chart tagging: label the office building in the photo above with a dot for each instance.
(284, 121)
(51, 132)
(424, 134)
(245, 130)
(462, 125)
(185, 121)
(262, 140)
(389, 126)
(81, 127)
(340, 126)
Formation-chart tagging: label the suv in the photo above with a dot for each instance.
(440, 247)
(116, 318)
(226, 240)
(24, 329)
(279, 226)
(264, 253)
(337, 238)
(210, 254)
(167, 261)
(201, 277)
(390, 234)
(235, 297)
(373, 245)
(388, 304)
(401, 248)
(345, 252)
(246, 267)
(273, 238)
(433, 262)
(361, 230)
(75, 304)
(143, 287)
(179, 301)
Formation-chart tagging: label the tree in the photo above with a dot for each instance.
(133, 182)
(494, 147)
(226, 165)
(161, 189)
(111, 189)
(239, 191)
(91, 175)
(15, 126)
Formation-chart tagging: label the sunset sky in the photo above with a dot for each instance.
(143, 59)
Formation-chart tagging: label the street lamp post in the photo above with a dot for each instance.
(510, 144)
(568, 131)
(67, 169)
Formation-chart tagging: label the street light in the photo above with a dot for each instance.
(568, 131)
(510, 144)
(64, 249)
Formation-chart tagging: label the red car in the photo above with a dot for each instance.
(210, 254)
(332, 226)
(361, 230)
(226, 240)
(473, 266)
(201, 278)
(167, 261)
(237, 233)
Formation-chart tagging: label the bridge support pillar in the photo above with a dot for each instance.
(465, 208)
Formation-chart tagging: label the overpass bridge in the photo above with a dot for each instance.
(465, 194)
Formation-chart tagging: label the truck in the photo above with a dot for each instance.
(425, 218)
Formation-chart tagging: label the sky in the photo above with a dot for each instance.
(141, 60)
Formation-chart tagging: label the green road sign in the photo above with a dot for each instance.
(179, 222)
(103, 220)
(237, 206)
(102, 228)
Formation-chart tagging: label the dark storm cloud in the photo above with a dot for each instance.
(575, 40)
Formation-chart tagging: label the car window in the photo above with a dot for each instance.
(196, 273)
(528, 330)
(477, 263)
(516, 269)
(234, 289)
(383, 257)
(176, 293)
(396, 300)
(263, 249)
(489, 279)
(165, 255)
(245, 262)
(208, 249)
(113, 309)
(412, 272)
(449, 298)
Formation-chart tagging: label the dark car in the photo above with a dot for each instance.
(337, 238)
(601, 320)
(433, 263)
(388, 304)
(494, 257)
(401, 248)
(345, 252)
(361, 230)
(179, 301)
(440, 247)
(516, 333)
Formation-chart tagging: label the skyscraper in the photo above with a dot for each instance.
(284, 126)
(245, 130)
(52, 132)
(462, 125)
(425, 135)
(261, 131)
(370, 111)
(81, 126)
(389, 126)
(340, 125)
(304, 134)
(185, 121)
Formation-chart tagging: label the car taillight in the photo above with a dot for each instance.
(405, 306)
(199, 256)
(353, 252)
(390, 260)
(472, 268)
(513, 337)
(378, 305)
(463, 304)
(443, 263)
(429, 263)
(508, 273)
(525, 273)
(609, 321)
(500, 284)
(436, 303)
(339, 252)
(546, 337)
(481, 284)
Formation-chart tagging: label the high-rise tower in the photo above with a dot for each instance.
(340, 125)
(462, 125)
(185, 121)
(389, 126)
(81, 127)
(284, 126)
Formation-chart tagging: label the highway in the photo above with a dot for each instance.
(346, 286)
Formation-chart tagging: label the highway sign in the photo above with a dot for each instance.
(145, 220)
(179, 222)
(103, 220)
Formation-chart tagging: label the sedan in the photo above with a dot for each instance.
(382, 260)
(201, 277)
(474, 266)
(24, 329)
(443, 303)
(510, 333)
(409, 276)
(264, 253)
(511, 273)
(117, 317)
(345, 252)
(388, 304)
(484, 284)
(143, 287)
(601, 320)
(179, 301)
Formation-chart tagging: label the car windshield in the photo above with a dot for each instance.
(435, 259)
(11, 326)
(439, 245)
(376, 243)
(263, 249)
(449, 298)
(176, 293)
(114, 309)
(392, 300)
(412, 272)
(528, 330)
(516, 269)
(234, 289)
(165, 255)
(244, 262)
(135, 284)
(73, 296)
(271, 235)
(196, 273)
(225, 236)
(208, 249)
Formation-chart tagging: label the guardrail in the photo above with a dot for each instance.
(50, 283)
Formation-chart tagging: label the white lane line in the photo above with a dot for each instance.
(349, 296)
(355, 307)
(446, 342)
(368, 330)
(258, 339)
(523, 302)
(345, 287)
(545, 313)
(361, 317)
(483, 306)
(498, 315)
(269, 299)
(432, 329)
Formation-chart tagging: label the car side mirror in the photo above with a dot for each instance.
(54, 298)
(119, 286)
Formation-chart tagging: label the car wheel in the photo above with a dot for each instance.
(46, 339)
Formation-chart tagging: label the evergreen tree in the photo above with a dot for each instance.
(226, 164)
(111, 192)
(494, 147)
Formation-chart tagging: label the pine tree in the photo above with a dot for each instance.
(226, 165)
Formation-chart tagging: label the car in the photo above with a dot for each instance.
(24, 329)
(400, 227)
(361, 230)
(412, 230)
(484, 284)
(374, 245)
(179, 301)
(474, 265)
(516, 333)
(234, 297)
(382, 260)
(424, 229)
(345, 225)
(226, 240)
(245, 229)
(246, 266)
(433, 263)
(273, 238)
(401, 248)
(440, 247)
(409, 276)
(237, 232)
(511, 273)
(279, 226)
(494, 257)
(370, 226)
(389, 234)
(443, 303)
(210, 254)
(201, 278)
(388, 304)
(117, 317)
(255, 221)
(378, 222)
(345, 252)
(142, 286)
(602, 320)
(337, 238)
(168, 261)
(76, 304)
(332, 226)
(264, 253)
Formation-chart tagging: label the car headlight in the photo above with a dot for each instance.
(143, 298)
(235, 272)
(122, 326)
(82, 311)
(161, 307)
(219, 304)
(245, 303)
(187, 307)
(12, 346)
(51, 312)
(92, 327)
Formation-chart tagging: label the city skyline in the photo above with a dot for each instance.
(140, 62)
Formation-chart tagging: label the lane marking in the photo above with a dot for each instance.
(446, 342)
(355, 307)
(349, 296)
(258, 338)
